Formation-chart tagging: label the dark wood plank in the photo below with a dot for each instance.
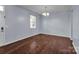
(40, 44)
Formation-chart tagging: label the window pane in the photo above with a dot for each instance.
(32, 21)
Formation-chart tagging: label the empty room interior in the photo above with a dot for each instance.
(39, 29)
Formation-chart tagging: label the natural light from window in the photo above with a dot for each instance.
(32, 21)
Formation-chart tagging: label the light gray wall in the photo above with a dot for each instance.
(18, 23)
(2, 24)
(75, 28)
(58, 23)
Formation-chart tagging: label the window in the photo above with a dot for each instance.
(1, 8)
(32, 21)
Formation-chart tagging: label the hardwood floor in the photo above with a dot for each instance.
(40, 44)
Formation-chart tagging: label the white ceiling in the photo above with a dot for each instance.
(50, 8)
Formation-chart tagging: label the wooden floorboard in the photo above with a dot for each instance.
(40, 44)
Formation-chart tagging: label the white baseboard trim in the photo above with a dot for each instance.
(6, 43)
(58, 35)
(75, 47)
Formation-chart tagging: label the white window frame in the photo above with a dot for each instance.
(32, 22)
